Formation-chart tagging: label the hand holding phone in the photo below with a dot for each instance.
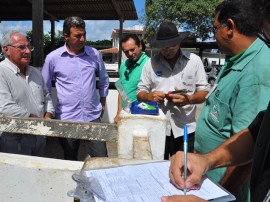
(179, 91)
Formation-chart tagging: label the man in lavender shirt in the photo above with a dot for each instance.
(75, 67)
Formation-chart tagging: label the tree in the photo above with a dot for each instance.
(60, 41)
(192, 15)
(48, 47)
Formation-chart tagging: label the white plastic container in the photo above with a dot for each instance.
(141, 136)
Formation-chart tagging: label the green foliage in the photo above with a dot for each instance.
(192, 15)
(104, 42)
(60, 41)
(48, 47)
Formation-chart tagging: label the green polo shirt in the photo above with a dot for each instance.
(130, 76)
(243, 89)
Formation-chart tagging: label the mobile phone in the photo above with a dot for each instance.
(180, 91)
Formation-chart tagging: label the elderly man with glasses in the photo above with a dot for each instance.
(23, 93)
(174, 69)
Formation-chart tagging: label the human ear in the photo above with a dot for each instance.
(230, 26)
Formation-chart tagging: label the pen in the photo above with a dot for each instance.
(185, 155)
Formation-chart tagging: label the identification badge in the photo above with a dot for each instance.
(211, 91)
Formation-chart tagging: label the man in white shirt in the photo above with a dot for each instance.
(23, 93)
(173, 69)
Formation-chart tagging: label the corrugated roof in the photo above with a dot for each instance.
(16, 10)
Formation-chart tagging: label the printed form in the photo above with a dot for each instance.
(146, 183)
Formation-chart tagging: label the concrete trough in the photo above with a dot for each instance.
(35, 179)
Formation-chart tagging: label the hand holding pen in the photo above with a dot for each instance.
(197, 166)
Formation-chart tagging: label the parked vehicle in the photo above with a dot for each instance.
(2, 57)
(212, 75)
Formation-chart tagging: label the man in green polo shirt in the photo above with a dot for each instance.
(131, 69)
(242, 88)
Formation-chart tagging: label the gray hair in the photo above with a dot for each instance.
(6, 38)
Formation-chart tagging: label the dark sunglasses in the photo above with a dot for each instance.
(129, 69)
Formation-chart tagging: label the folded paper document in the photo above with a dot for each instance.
(148, 182)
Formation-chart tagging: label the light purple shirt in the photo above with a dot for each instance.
(76, 82)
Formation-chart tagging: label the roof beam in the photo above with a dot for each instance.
(117, 8)
(46, 12)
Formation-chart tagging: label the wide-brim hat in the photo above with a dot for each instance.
(167, 36)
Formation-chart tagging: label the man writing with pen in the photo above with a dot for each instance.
(173, 70)
(250, 142)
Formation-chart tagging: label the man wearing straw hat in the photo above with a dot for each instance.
(173, 69)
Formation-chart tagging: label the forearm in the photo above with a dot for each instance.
(198, 97)
(33, 116)
(154, 96)
(103, 102)
(178, 198)
(237, 150)
(12, 109)
(48, 115)
(241, 173)
(119, 105)
(144, 96)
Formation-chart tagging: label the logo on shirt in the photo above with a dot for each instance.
(187, 84)
(214, 113)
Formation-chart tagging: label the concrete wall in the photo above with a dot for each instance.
(34, 179)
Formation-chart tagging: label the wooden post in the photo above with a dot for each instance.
(37, 27)
(120, 39)
(52, 34)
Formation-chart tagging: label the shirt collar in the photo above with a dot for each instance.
(248, 54)
(182, 54)
(66, 51)
(138, 62)
(185, 54)
(12, 66)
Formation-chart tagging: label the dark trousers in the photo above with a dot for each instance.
(32, 145)
(94, 148)
(172, 145)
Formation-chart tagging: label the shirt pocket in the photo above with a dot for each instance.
(218, 113)
(37, 92)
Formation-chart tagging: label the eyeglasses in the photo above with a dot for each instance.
(129, 69)
(23, 47)
(215, 29)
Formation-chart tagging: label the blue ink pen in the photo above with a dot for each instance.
(185, 155)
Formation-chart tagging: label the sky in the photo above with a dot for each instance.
(96, 30)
